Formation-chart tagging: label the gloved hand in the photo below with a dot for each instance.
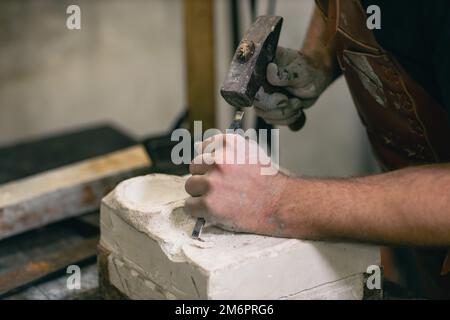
(300, 77)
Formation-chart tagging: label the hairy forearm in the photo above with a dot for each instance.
(405, 207)
(318, 47)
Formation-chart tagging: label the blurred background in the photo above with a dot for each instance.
(127, 66)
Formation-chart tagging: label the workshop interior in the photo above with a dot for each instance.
(97, 98)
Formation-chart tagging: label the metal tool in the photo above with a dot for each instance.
(237, 120)
(198, 228)
(247, 71)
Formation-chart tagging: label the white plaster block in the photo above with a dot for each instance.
(153, 256)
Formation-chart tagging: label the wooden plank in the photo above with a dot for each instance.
(199, 37)
(67, 191)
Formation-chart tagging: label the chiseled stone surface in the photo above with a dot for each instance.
(144, 225)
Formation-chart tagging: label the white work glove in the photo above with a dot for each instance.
(296, 74)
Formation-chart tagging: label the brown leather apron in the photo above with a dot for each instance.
(405, 125)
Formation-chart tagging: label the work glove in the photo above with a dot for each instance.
(301, 82)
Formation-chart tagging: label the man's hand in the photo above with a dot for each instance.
(235, 196)
(404, 207)
(302, 77)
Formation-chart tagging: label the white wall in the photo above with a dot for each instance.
(124, 65)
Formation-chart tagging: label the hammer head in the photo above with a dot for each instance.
(248, 68)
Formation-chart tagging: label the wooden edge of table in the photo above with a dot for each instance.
(67, 191)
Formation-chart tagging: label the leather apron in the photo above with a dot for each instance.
(405, 125)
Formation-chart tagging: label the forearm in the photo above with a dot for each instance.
(406, 207)
(318, 47)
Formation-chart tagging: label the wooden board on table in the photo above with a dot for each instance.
(64, 192)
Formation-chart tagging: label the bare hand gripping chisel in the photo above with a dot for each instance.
(235, 124)
(247, 74)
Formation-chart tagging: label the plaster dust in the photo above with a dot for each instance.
(144, 225)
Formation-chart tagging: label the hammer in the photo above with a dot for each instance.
(247, 74)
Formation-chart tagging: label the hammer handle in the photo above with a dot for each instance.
(299, 123)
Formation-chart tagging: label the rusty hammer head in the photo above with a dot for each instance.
(248, 68)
